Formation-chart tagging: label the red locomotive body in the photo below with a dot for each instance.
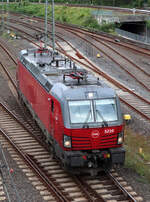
(80, 117)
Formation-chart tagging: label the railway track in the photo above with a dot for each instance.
(59, 185)
(2, 192)
(142, 107)
(100, 37)
(67, 181)
(29, 148)
(136, 72)
(133, 100)
(107, 38)
(114, 8)
(127, 96)
(109, 52)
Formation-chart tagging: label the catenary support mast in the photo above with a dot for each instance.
(45, 43)
(53, 27)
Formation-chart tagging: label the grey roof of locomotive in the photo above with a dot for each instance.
(50, 73)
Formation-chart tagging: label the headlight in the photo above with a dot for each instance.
(67, 141)
(120, 138)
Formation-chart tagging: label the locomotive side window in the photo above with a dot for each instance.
(52, 105)
(105, 110)
(81, 111)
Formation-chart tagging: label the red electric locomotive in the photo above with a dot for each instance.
(79, 115)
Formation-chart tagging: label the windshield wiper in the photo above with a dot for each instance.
(104, 121)
(85, 125)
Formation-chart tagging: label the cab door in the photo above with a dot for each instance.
(55, 126)
(52, 118)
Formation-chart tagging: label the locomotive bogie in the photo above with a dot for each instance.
(100, 159)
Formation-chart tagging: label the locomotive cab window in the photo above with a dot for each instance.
(105, 110)
(89, 111)
(81, 111)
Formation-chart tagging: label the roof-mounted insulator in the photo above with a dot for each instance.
(41, 64)
(57, 63)
(70, 64)
(79, 75)
(27, 51)
(98, 82)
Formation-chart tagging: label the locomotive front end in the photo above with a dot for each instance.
(93, 134)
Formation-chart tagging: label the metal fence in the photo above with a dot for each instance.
(102, 12)
(136, 37)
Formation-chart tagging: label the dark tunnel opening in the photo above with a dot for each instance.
(134, 27)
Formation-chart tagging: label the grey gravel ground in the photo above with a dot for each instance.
(27, 191)
(18, 186)
(142, 127)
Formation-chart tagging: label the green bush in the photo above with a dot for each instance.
(138, 3)
(110, 27)
(120, 3)
(64, 14)
(148, 23)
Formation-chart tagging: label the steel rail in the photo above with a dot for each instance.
(117, 52)
(9, 76)
(20, 122)
(115, 61)
(100, 40)
(126, 10)
(128, 72)
(8, 53)
(145, 86)
(104, 36)
(41, 175)
(98, 71)
(13, 82)
(108, 38)
(28, 157)
(87, 189)
(98, 197)
(115, 8)
(115, 82)
(125, 192)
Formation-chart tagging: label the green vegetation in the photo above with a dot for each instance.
(148, 24)
(138, 153)
(71, 15)
(119, 3)
(137, 147)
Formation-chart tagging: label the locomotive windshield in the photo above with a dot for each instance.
(105, 110)
(89, 111)
(81, 111)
